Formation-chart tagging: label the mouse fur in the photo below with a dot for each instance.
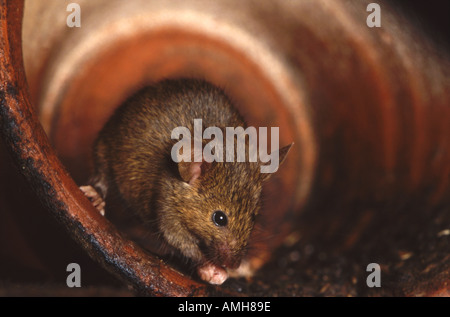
(177, 200)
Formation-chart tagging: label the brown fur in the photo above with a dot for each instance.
(133, 152)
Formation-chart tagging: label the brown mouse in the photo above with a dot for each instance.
(205, 211)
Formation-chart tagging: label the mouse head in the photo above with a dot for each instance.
(207, 210)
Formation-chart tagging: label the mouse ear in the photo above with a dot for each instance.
(191, 171)
(282, 154)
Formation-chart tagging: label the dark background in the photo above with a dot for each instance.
(431, 16)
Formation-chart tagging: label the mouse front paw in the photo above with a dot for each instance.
(212, 274)
(94, 197)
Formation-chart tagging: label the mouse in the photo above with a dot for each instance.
(199, 210)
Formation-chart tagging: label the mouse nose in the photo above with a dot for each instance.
(228, 257)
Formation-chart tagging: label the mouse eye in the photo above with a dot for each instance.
(219, 218)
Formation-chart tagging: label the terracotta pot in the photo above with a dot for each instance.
(367, 108)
